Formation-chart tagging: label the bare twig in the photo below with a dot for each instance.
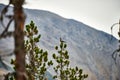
(4, 55)
(112, 29)
(115, 53)
(5, 32)
(3, 14)
(4, 11)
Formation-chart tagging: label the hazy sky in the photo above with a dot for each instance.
(100, 14)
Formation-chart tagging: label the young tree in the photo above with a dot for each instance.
(37, 59)
(62, 69)
(62, 61)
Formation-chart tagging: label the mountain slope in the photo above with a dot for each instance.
(90, 49)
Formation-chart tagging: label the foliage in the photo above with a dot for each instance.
(62, 69)
(37, 59)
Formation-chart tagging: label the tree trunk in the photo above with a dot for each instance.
(19, 39)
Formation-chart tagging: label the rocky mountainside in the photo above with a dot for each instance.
(90, 49)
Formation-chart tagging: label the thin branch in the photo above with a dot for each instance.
(113, 25)
(4, 11)
(112, 29)
(4, 55)
(5, 32)
(114, 55)
(8, 25)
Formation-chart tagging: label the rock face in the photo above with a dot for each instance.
(90, 49)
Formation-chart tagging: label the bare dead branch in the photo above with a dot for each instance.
(5, 55)
(4, 11)
(9, 16)
(114, 55)
(112, 29)
(5, 32)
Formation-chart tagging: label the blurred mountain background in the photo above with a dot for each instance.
(90, 49)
